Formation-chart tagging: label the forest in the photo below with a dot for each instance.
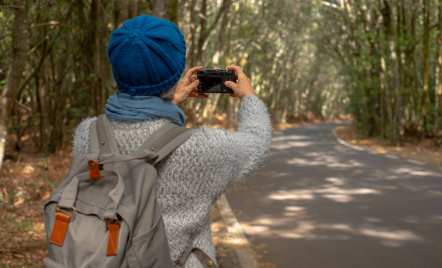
(376, 60)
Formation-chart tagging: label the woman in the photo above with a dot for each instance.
(147, 56)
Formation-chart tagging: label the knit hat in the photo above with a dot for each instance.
(147, 55)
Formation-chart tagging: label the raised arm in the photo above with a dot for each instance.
(217, 159)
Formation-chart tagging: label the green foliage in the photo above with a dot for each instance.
(383, 58)
(68, 78)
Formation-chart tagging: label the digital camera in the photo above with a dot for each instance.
(212, 81)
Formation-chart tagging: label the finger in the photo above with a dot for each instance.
(232, 95)
(192, 86)
(193, 78)
(238, 71)
(231, 85)
(250, 82)
(190, 72)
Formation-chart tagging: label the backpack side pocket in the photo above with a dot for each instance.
(144, 248)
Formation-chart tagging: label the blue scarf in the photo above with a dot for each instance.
(124, 107)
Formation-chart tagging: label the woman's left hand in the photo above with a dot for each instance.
(187, 87)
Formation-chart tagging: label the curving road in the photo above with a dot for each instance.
(319, 204)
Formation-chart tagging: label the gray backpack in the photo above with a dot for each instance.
(105, 213)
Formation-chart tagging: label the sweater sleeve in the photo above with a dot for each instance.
(81, 146)
(222, 158)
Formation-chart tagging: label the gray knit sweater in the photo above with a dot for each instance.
(196, 173)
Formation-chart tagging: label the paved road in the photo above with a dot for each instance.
(320, 204)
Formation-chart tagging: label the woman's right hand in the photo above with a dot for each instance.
(243, 88)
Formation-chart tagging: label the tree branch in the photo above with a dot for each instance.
(218, 16)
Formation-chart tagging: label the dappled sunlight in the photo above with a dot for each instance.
(325, 196)
(313, 154)
(309, 230)
(294, 208)
(329, 191)
(292, 144)
(325, 160)
(277, 174)
(337, 190)
(335, 181)
(290, 137)
(402, 235)
(414, 172)
(302, 230)
(271, 221)
(339, 197)
(256, 229)
(293, 195)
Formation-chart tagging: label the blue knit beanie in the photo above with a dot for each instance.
(147, 55)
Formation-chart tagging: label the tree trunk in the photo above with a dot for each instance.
(190, 51)
(102, 59)
(90, 56)
(384, 87)
(202, 38)
(438, 86)
(19, 50)
(120, 12)
(426, 38)
(158, 8)
(387, 17)
(204, 30)
(166, 9)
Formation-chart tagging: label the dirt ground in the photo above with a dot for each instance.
(425, 150)
(24, 186)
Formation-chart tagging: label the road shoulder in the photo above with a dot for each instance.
(413, 153)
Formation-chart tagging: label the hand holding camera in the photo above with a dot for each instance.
(243, 87)
(187, 87)
(232, 81)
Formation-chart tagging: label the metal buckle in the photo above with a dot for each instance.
(112, 221)
(57, 209)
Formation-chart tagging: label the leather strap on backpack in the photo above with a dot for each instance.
(205, 260)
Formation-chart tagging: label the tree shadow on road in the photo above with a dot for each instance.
(323, 204)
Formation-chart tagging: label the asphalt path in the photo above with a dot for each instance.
(320, 204)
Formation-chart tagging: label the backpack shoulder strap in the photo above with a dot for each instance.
(93, 138)
(202, 256)
(102, 137)
(163, 141)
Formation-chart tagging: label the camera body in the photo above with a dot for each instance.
(212, 81)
